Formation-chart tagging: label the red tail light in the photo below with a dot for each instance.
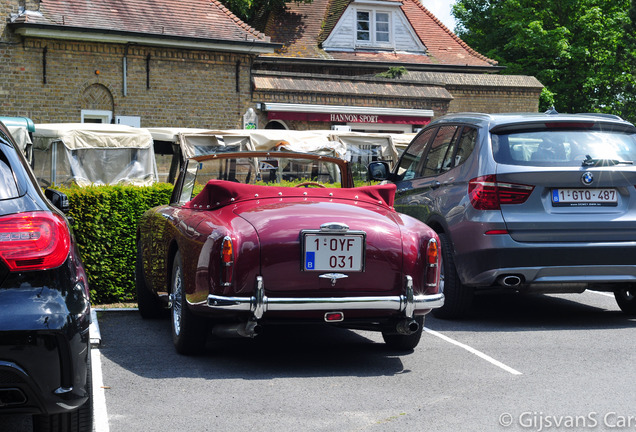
(432, 263)
(227, 261)
(34, 241)
(486, 193)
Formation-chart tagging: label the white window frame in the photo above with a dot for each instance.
(103, 115)
(373, 30)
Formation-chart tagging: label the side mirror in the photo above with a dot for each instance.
(58, 199)
(378, 171)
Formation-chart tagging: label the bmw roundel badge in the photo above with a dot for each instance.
(587, 178)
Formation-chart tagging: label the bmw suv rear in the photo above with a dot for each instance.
(527, 202)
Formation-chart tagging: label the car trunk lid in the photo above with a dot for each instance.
(572, 204)
(280, 223)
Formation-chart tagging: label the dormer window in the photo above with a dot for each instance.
(373, 28)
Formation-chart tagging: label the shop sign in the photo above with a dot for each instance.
(346, 118)
(354, 118)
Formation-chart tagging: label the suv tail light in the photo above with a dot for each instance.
(34, 241)
(486, 193)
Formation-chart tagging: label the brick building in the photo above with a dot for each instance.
(145, 62)
(326, 73)
(158, 63)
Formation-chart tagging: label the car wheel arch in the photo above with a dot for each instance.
(438, 225)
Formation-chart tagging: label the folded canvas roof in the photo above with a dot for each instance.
(93, 154)
(91, 135)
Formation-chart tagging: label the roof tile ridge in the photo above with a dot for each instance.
(239, 21)
(453, 35)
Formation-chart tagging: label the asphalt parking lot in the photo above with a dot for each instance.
(520, 363)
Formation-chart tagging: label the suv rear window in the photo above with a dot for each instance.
(563, 147)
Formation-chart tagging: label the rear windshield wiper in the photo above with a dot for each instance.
(589, 161)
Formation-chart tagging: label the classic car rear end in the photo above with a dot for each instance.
(240, 257)
(44, 324)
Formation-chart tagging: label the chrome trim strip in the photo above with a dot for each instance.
(334, 227)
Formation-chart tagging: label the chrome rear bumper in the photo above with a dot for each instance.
(258, 304)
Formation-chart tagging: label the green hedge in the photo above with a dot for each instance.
(104, 223)
(104, 220)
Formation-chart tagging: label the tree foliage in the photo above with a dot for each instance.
(582, 51)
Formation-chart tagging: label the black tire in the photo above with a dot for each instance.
(401, 342)
(189, 332)
(148, 303)
(626, 299)
(457, 297)
(80, 420)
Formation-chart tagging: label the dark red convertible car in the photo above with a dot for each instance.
(259, 238)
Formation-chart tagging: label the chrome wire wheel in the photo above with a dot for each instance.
(189, 332)
(177, 302)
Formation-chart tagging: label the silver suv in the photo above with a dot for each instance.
(527, 202)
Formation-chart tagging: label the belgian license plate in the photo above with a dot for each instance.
(327, 252)
(584, 197)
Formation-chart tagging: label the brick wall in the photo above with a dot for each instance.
(186, 88)
(493, 100)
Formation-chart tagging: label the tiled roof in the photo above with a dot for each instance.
(478, 80)
(201, 19)
(442, 44)
(302, 27)
(298, 27)
(346, 85)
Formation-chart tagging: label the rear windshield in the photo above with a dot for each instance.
(271, 171)
(563, 147)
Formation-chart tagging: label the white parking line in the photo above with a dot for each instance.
(474, 351)
(100, 416)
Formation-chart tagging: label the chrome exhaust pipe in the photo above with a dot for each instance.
(247, 329)
(407, 327)
(510, 281)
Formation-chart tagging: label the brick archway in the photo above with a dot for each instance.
(97, 97)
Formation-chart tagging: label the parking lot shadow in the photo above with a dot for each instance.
(528, 312)
(144, 347)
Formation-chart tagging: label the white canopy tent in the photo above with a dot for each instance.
(93, 153)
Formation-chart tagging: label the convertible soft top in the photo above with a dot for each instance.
(219, 193)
